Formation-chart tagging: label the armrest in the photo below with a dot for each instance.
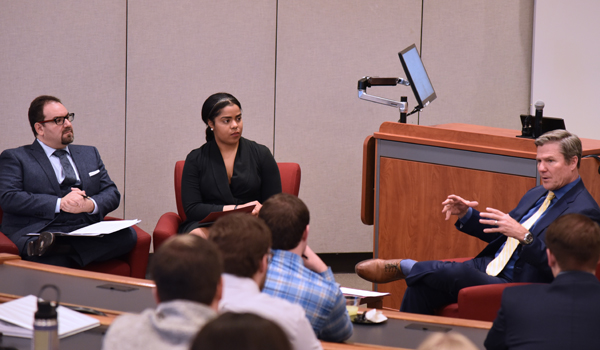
(482, 302)
(7, 246)
(137, 258)
(167, 226)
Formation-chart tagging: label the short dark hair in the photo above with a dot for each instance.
(574, 240)
(36, 110)
(287, 216)
(187, 267)
(570, 144)
(241, 331)
(213, 106)
(243, 241)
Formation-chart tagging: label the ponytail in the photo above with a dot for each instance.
(210, 135)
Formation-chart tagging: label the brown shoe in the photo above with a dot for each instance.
(379, 270)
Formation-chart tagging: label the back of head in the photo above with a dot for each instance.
(570, 144)
(243, 241)
(36, 110)
(241, 331)
(574, 240)
(447, 341)
(287, 217)
(187, 267)
(213, 106)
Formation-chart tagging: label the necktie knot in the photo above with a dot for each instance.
(60, 153)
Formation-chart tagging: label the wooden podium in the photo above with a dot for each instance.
(409, 170)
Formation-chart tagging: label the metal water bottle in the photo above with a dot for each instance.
(45, 324)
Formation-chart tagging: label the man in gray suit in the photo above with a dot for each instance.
(54, 186)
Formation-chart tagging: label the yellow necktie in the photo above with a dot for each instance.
(496, 265)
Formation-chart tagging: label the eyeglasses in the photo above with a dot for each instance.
(270, 256)
(60, 120)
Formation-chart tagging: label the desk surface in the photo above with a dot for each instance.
(18, 278)
(407, 330)
(77, 287)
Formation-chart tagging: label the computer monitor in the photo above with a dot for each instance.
(417, 76)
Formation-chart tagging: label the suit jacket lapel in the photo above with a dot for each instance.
(37, 152)
(558, 208)
(528, 202)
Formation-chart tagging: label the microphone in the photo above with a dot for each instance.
(539, 113)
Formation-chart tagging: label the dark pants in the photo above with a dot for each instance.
(86, 250)
(434, 284)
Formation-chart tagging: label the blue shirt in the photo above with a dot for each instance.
(317, 293)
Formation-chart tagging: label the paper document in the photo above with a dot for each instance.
(19, 314)
(97, 229)
(103, 227)
(361, 293)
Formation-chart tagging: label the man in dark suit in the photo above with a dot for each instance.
(564, 314)
(516, 249)
(53, 186)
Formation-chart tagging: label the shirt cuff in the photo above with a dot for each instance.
(95, 211)
(467, 216)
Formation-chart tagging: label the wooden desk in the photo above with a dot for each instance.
(77, 287)
(393, 334)
(408, 170)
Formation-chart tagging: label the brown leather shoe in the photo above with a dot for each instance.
(379, 270)
(41, 245)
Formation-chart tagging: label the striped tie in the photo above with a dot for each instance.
(496, 265)
(70, 177)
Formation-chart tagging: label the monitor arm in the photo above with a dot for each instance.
(367, 82)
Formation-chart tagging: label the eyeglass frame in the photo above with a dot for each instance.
(69, 116)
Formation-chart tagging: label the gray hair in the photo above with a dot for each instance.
(570, 144)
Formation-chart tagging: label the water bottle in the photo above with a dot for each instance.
(45, 323)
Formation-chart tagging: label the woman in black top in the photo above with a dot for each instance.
(228, 171)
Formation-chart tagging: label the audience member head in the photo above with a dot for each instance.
(570, 144)
(287, 217)
(188, 267)
(447, 341)
(241, 331)
(244, 241)
(213, 106)
(573, 243)
(36, 110)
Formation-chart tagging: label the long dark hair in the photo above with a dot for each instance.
(213, 106)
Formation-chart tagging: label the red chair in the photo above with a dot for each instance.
(480, 302)
(168, 223)
(132, 264)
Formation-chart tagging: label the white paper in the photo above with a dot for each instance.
(20, 312)
(375, 316)
(99, 228)
(103, 227)
(362, 293)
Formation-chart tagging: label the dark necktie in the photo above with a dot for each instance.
(70, 177)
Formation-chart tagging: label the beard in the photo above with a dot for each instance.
(67, 137)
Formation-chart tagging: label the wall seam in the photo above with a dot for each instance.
(275, 74)
(124, 196)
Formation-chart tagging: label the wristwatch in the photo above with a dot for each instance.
(528, 238)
